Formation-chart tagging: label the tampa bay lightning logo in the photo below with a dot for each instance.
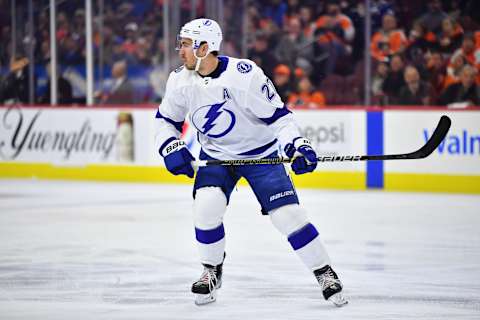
(213, 120)
(244, 67)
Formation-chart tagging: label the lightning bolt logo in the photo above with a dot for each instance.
(211, 116)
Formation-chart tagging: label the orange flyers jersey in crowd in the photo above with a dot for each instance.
(312, 100)
(386, 44)
(328, 22)
(472, 58)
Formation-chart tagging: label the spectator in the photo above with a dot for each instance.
(70, 53)
(306, 19)
(420, 40)
(262, 55)
(130, 45)
(142, 54)
(334, 33)
(469, 52)
(15, 87)
(293, 44)
(281, 80)
(306, 96)
(457, 62)
(44, 52)
(293, 8)
(394, 80)
(122, 91)
(378, 8)
(377, 82)
(64, 89)
(436, 74)
(159, 52)
(451, 36)
(79, 24)
(63, 27)
(415, 92)
(432, 19)
(388, 40)
(465, 92)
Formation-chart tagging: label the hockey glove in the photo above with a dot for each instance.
(178, 158)
(305, 158)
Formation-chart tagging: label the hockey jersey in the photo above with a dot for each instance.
(236, 111)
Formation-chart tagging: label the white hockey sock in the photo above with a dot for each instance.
(211, 245)
(209, 207)
(308, 246)
(292, 221)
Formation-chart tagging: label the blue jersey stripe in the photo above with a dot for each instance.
(258, 150)
(303, 236)
(177, 125)
(210, 236)
(276, 115)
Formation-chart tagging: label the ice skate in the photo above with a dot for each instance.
(331, 286)
(205, 288)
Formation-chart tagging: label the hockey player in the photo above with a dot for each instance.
(238, 115)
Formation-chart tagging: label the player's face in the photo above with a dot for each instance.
(185, 52)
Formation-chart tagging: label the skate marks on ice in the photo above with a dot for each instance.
(127, 251)
(120, 283)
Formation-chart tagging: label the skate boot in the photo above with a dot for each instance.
(331, 285)
(205, 288)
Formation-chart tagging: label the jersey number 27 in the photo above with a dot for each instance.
(269, 90)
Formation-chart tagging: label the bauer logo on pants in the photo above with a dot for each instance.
(281, 195)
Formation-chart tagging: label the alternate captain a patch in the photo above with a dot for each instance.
(226, 94)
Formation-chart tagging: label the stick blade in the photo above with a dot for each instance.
(437, 137)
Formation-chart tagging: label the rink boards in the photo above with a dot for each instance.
(453, 167)
(117, 144)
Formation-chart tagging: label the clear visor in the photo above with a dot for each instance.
(182, 42)
(178, 43)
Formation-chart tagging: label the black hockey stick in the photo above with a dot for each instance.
(432, 144)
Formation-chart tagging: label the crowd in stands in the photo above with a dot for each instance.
(422, 53)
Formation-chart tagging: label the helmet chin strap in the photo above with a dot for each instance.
(199, 59)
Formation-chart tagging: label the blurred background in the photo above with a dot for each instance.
(318, 53)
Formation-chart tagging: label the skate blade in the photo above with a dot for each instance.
(202, 299)
(338, 299)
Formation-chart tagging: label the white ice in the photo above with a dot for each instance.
(74, 250)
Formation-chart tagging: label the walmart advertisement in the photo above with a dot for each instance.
(453, 167)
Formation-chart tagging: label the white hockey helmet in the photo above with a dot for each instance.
(203, 30)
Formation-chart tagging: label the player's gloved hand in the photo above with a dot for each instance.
(305, 158)
(178, 158)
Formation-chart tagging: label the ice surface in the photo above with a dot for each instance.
(73, 250)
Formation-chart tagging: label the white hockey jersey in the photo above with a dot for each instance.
(236, 111)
